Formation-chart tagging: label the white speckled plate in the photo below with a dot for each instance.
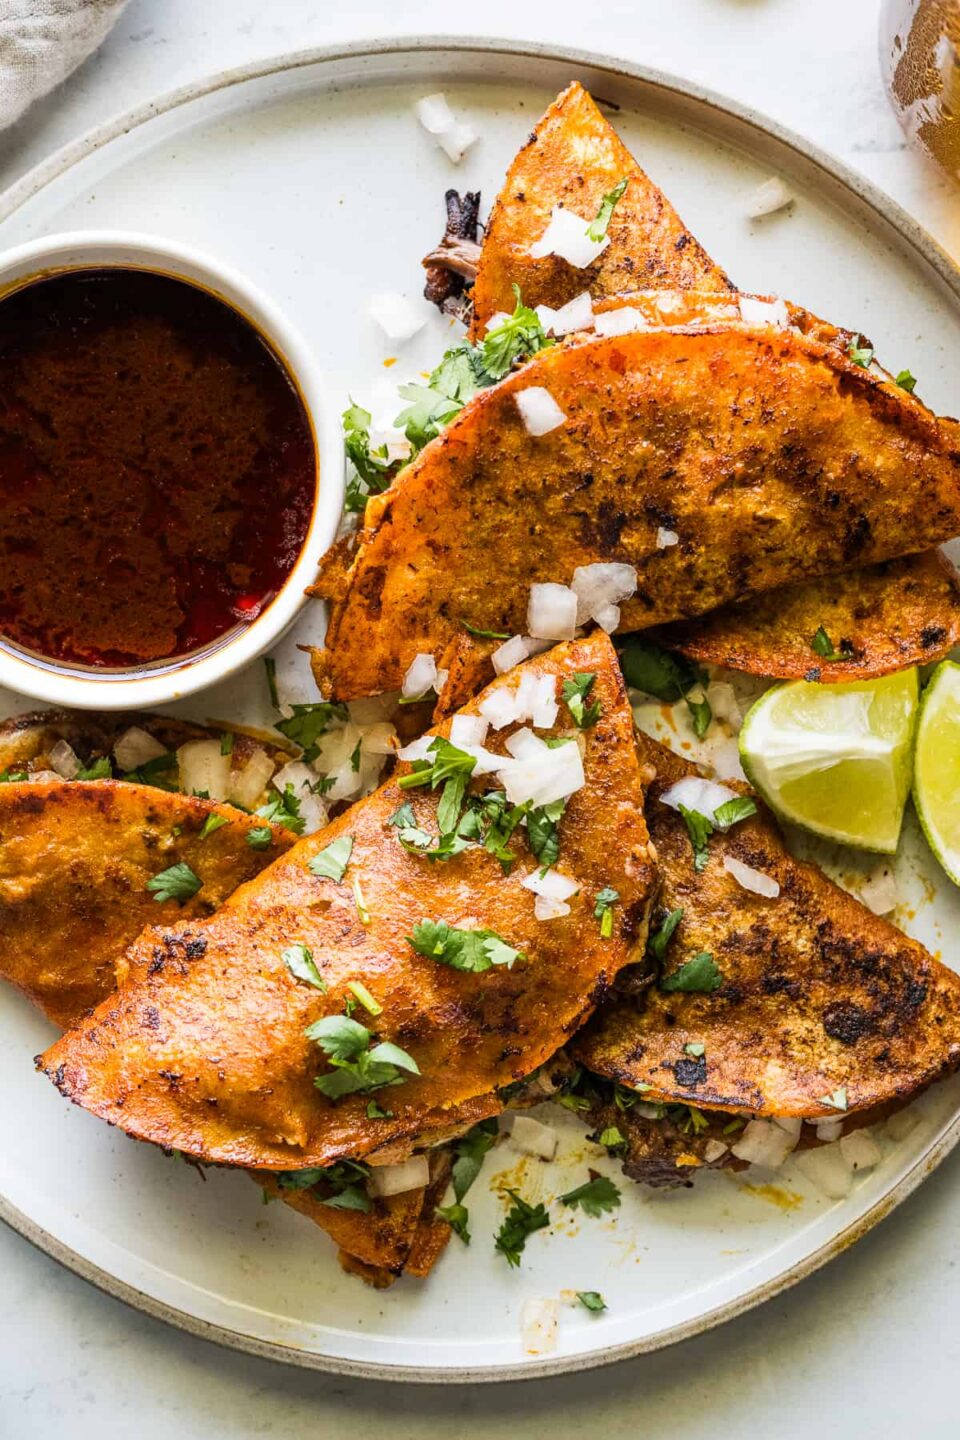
(310, 174)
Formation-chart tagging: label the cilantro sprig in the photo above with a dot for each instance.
(472, 950)
(822, 645)
(357, 1064)
(469, 1150)
(576, 693)
(667, 677)
(697, 976)
(522, 1220)
(597, 230)
(345, 1180)
(596, 1196)
(603, 910)
(178, 882)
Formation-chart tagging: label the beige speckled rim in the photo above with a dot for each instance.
(735, 124)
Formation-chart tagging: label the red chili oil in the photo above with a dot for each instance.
(157, 468)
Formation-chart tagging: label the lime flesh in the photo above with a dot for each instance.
(936, 780)
(836, 759)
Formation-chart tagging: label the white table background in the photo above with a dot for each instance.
(869, 1346)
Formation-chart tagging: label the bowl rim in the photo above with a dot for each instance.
(167, 681)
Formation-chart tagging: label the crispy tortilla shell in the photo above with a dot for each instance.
(882, 618)
(818, 994)
(204, 1048)
(772, 456)
(75, 858)
(573, 158)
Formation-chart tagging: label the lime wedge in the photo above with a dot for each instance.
(936, 781)
(836, 759)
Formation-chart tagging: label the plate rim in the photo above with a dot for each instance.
(893, 217)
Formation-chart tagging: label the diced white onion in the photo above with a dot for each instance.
(724, 703)
(769, 197)
(763, 312)
(577, 314)
(713, 1150)
(442, 677)
(618, 322)
(666, 538)
(860, 1150)
(40, 777)
(313, 812)
(135, 747)
(456, 141)
(765, 1144)
(203, 770)
(829, 1130)
(372, 709)
(901, 1122)
(539, 411)
(552, 612)
(247, 785)
(792, 1124)
(704, 796)
(532, 1138)
(539, 1321)
(512, 652)
(524, 745)
(65, 760)
(486, 762)
(421, 676)
(535, 700)
(499, 706)
(879, 891)
(410, 1174)
(542, 779)
(749, 879)
(502, 316)
(566, 236)
(545, 908)
(608, 617)
(379, 739)
(398, 317)
(468, 730)
(435, 114)
(603, 583)
(418, 749)
(551, 884)
(827, 1169)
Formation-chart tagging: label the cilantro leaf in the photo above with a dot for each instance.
(731, 812)
(370, 471)
(822, 645)
(154, 772)
(603, 910)
(377, 1112)
(666, 677)
(543, 832)
(658, 941)
(860, 352)
(699, 828)
(592, 1300)
(404, 818)
(697, 976)
(357, 1066)
(906, 381)
(612, 1138)
(177, 882)
(101, 769)
(470, 950)
(484, 634)
(598, 229)
(307, 723)
(594, 1197)
(13, 777)
(456, 1217)
(212, 824)
(360, 991)
(285, 810)
(345, 1182)
(575, 692)
(470, 1150)
(339, 1037)
(226, 743)
(521, 1221)
(260, 837)
(300, 962)
(332, 861)
(516, 338)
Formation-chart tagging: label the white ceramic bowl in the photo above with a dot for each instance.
(153, 684)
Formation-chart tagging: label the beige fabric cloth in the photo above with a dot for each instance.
(42, 41)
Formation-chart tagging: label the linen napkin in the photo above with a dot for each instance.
(42, 41)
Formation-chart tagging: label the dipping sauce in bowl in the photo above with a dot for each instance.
(157, 469)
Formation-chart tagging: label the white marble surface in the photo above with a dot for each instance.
(868, 1346)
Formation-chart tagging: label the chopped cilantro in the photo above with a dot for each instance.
(594, 1197)
(307, 723)
(612, 1138)
(178, 882)
(101, 769)
(860, 352)
(469, 1150)
(377, 1112)
(592, 1300)
(299, 961)
(154, 772)
(13, 777)
(360, 902)
(521, 1220)
(270, 666)
(822, 645)
(370, 471)
(484, 634)
(457, 1217)
(404, 818)
(575, 693)
(543, 832)
(699, 828)
(284, 810)
(472, 950)
(731, 812)
(516, 338)
(372, 1006)
(906, 381)
(667, 677)
(603, 910)
(346, 1179)
(698, 976)
(357, 1066)
(226, 743)
(213, 823)
(598, 229)
(260, 837)
(331, 862)
(658, 941)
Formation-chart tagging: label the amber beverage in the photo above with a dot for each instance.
(920, 60)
